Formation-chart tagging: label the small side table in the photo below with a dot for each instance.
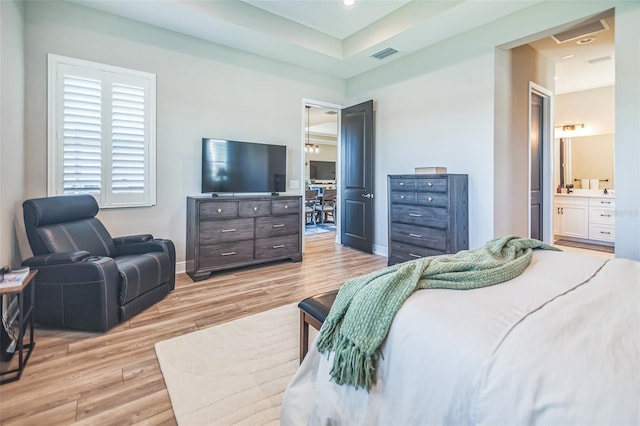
(24, 350)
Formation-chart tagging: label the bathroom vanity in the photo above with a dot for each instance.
(585, 215)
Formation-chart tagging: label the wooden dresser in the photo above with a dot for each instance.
(230, 232)
(428, 215)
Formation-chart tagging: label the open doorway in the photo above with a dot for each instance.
(321, 167)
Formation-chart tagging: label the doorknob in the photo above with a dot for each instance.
(367, 195)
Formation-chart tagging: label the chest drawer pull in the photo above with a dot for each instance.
(402, 197)
(605, 232)
(255, 209)
(415, 235)
(219, 210)
(278, 246)
(605, 215)
(279, 225)
(286, 207)
(415, 215)
(414, 255)
(229, 230)
(229, 253)
(430, 199)
(429, 184)
(605, 202)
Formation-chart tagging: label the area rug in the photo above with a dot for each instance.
(233, 373)
(319, 228)
(587, 246)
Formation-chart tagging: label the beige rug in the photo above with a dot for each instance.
(233, 373)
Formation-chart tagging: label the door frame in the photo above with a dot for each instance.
(547, 160)
(333, 107)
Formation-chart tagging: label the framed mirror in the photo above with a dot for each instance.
(587, 162)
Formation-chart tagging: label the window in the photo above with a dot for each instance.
(101, 138)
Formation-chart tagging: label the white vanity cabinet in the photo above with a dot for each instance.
(602, 219)
(572, 216)
(584, 217)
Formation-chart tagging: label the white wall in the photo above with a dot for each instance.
(595, 108)
(203, 90)
(12, 159)
(436, 107)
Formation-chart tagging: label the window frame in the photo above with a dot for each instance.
(107, 74)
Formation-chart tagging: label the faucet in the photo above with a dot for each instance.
(569, 188)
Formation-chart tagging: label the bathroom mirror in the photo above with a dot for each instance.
(584, 159)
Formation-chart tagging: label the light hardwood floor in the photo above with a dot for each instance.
(114, 378)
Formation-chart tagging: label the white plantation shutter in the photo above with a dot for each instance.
(101, 132)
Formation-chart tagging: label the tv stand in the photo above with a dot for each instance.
(231, 232)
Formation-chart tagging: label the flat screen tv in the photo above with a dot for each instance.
(237, 167)
(322, 170)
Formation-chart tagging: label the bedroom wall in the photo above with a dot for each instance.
(203, 90)
(12, 159)
(438, 107)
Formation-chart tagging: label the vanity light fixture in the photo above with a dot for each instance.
(570, 127)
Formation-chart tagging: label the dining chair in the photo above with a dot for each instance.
(310, 201)
(327, 205)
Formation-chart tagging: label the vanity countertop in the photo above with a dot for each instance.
(587, 193)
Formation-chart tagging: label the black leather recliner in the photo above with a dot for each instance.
(86, 279)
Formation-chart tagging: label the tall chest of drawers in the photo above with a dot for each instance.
(230, 232)
(428, 215)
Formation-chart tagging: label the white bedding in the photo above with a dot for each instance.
(558, 345)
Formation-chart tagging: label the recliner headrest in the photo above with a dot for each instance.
(65, 208)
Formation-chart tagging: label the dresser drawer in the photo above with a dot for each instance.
(285, 206)
(218, 210)
(254, 208)
(602, 202)
(222, 231)
(272, 226)
(401, 197)
(399, 184)
(275, 247)
(403, 252)
(225, 254)
(432, 199)
(424, 216)
(419, 236)
(434, 184)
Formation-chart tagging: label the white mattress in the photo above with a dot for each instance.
(559, 344)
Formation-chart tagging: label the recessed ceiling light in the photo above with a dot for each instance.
(348, 2)
(586, 40)
(569, 56)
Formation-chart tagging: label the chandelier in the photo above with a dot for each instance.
(308, 146)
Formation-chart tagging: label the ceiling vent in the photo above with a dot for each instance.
(581, 31)
(384, 53)
(598, 60)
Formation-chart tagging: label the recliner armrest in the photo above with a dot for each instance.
(141, 248)
(56, 258)
(132, 239)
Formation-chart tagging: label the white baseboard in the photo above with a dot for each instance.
(380, 250)
(181, 267)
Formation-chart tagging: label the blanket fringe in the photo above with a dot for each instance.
(352, 366)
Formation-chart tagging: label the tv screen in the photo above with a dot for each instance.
(234, 166)
(322, 170)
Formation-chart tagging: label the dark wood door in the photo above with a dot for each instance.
(535, 139)
(357, 204)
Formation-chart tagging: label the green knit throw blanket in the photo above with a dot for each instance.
(363, 310)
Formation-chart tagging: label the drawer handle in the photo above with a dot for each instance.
(429, 184)
(229, 253)
(415, 235)
(415, 215)
(279, 225)
(402, 196)
(255, 209)
(286, 207)
(430, 199)
(414, 255)
(219, 210)
(278, 246)
(605, 202)
(605, 215)
(401, 183)
(229, 230)
(605, 232)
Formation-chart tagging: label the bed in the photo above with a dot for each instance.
(558, 345)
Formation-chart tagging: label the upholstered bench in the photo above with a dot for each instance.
(313, 311)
